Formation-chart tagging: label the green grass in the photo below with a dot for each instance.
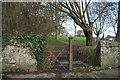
(51, 42)
(79, 41)
(88, 68)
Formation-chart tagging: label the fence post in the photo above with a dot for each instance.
(70, 54)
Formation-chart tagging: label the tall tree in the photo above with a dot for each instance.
(118, 28)
(27, 17)
(80, 13)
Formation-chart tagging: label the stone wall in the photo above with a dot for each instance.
(109, 52)
(18, 59)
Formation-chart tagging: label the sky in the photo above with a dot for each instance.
(69, 25)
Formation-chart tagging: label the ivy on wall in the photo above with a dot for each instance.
(36, 43)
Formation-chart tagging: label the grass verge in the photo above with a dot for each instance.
(52, 43)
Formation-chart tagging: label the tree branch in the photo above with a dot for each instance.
(78, 8)
(58, 8)
(101, 13)
(86, 6)
(88, 16)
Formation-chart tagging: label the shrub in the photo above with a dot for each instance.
(5, 40)
(36, 43)
(88, 55)
(49, 61)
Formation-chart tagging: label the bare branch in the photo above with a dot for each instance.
(88, 16)
(77, 8)
(101, 12)
(82, 8)
(86, 6)
(58, 8)
(65, 6)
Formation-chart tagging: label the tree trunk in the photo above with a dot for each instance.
(118, 29)
(56, 32)
(89, 37)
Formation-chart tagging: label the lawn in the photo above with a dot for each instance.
(51, 42)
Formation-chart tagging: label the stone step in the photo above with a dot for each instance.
(66, 58)
(67, 62)
(63, 58)
(74, 63)
(63, 53)
(65, 67)
(58, 70)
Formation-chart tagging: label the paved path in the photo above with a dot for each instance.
(109, 73)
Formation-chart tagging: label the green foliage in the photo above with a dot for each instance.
(89, 68)
(36, 43)
(5, 40)
(89, 52)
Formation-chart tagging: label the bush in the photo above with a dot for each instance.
(49, 61)
(88, 55)
(6, 40)
(36, 43)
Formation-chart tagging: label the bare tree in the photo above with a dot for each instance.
(99, 28)
(103, 22)
(114, 22)
(111, 16)
(80, 13)
(114, 18)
